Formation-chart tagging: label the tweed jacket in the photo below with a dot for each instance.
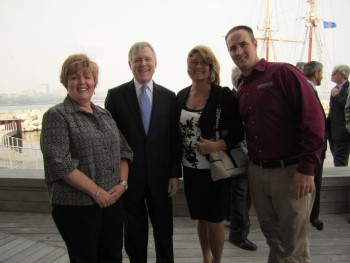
(73, 138)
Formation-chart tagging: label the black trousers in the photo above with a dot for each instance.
(240, 205)
(340, 151)
(315, 212)
(159, 211)
(92, 234)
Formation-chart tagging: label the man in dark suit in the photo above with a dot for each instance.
(240, 197)
(339, 137)
(313, 71)
(155, 171)
(347, 113)
(347, 116)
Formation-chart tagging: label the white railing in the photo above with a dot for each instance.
(15, 153)
(11, 126)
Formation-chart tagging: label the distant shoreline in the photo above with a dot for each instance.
(10, 108)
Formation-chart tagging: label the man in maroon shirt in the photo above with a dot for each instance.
(285, 134)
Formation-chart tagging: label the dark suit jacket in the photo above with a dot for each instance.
(155, 157)
(323, 154)
(336, 117)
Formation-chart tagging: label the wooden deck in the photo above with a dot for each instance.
(33, 237)
(28, 233)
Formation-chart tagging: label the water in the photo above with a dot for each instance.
(31, 139)
(28, 107)
(14, 108)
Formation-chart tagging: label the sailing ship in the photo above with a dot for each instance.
(305, 45)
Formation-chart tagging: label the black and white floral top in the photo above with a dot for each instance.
(190, 131)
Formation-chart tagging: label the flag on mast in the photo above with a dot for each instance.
(327, 24)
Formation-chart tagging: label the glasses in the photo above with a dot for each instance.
(201, 63)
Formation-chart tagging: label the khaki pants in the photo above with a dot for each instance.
(283, 219)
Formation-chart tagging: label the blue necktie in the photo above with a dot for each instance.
(145, 108)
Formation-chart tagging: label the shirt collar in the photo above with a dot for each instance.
(312, 84)
(138, 85)
(72, 106)
(260, 66)
(341, 85)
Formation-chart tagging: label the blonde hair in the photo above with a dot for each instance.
(209, 57)
(76, 62)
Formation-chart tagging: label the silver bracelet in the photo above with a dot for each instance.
(97, 193)
(125, 184)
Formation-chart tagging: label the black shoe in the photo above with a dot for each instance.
(244, 244)
(318, 224)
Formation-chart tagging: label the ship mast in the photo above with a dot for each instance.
(267, 31)
(311, 22)
(267, 34)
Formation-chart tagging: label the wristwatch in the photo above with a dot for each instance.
(125, 184)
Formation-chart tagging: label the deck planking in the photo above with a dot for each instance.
(33, 237)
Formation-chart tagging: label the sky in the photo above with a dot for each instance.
(38, 35)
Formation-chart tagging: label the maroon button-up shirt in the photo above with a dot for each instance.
(281, 115)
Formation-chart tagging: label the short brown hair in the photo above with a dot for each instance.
(76, 62)
(241, 27)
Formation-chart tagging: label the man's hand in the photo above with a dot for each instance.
(303, 184)
(173, 186)
(335, 91)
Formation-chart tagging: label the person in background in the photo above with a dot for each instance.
(208, 201)
(86, 167)
(300, 65)
(338, 136)
(284, 131)
(313, 71)
(145, 112)
(347, 113)
(347, 117)
(240, 198)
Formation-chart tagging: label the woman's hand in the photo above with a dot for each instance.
(116, 192)
(103, 199)
(205, 146)
(80, 181)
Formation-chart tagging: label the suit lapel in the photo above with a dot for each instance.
(344, 90)
(133, 104)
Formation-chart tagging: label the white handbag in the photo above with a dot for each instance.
(228, 163)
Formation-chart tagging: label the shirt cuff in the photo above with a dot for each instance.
(306, 168)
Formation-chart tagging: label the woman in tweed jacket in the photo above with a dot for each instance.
(86, 167)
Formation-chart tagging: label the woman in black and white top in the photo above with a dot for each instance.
(208, 201)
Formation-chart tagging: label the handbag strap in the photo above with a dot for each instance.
(217, 120)
(218, 135)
